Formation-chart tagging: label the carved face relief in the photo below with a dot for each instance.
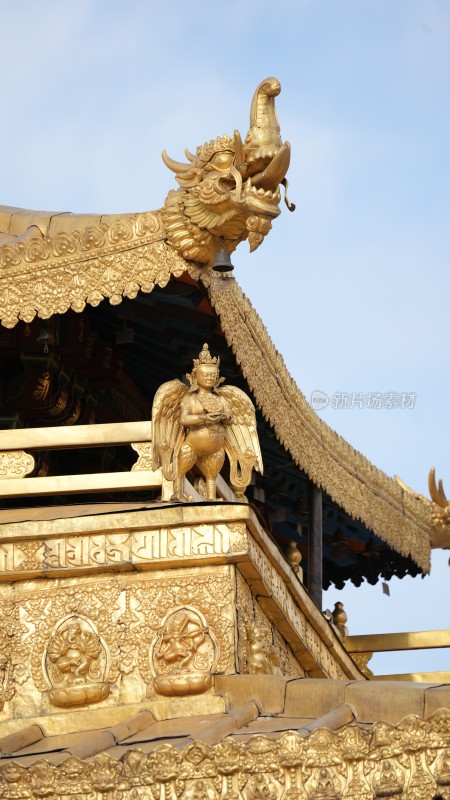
(183, 654)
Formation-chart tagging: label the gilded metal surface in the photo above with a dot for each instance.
(53, 286)
(260, 647)
(365, 492)
(116, 639)
(144, 451)
(437, 676)
(77, 637)
(15, 464)
(67, 261)
(362, 660)
(384, 642)
(229, 190)
(410, 760)
(294, 558)
(199, 425)
(182, 536)
(73, 484)
(114, 433)
(440, 513)
(339, 617)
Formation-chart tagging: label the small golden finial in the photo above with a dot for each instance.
(294, 558)
(340, 618)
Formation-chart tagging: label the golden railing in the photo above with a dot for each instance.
(16, 462)
(364, 646)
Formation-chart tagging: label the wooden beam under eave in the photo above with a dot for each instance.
(315, 553)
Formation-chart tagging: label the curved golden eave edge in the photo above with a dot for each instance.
(50, 262)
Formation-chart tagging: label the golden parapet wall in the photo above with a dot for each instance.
(129, 607)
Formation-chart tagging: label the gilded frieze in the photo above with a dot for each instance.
(347, 765)
(276, 636)
(151, 547)
(77, 642)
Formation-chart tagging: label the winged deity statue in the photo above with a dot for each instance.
(199, 424)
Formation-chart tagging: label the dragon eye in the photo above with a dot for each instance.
(222, 161)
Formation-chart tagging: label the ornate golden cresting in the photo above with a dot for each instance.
(197, 426)
(229, 190)
(439, 507)
(440, 514)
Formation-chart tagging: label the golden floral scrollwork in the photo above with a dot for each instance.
(144, 451)
(362, 660)
(113, 270)
(76, 662)
(15, 464)
(184, 654)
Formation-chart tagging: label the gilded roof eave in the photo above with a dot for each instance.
(68, 261)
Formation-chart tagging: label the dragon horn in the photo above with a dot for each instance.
(175, 166)
(437, 493)
(189, 155)
(239, 150)
(264, 126)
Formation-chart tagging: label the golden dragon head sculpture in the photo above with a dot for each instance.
(229, 190)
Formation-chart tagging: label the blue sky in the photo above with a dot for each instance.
(354, 286)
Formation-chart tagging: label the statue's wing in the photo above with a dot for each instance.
(241, 436)
(167, 431)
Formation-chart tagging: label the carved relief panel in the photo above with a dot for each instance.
(261, 649)
(184, 654)
(116, 638)
(75, 663)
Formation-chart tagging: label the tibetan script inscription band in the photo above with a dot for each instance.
(137, 548)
